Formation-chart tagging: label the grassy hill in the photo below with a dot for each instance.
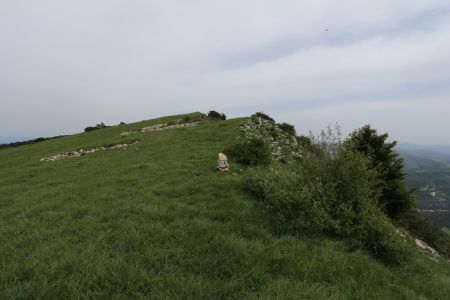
(156, 220)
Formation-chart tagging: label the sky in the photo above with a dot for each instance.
(65, 65)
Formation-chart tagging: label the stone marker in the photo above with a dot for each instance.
(222, 163)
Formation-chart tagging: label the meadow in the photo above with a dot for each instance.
(158, 221)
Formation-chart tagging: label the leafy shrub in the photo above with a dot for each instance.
(304, 142)
(332, 190)
(395, 199)
(90, 128)
(98, 126)
(193, 118)
(250, 152)
(216, 115)
(379, 236)
(290, 202)
(263, 116)
(187, 118)
(288, 128)
(173, 122)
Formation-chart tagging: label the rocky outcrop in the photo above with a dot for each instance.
(281, 144)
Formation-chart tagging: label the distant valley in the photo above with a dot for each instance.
(428, 171)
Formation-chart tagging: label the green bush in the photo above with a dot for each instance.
(187, 118)
(395, 198)
(193, 118)
(250, 152)
(98, 126)
(290, 202)
(216, 115)
(331, 190)
(379, 236)
(263, 116)
(288, 128)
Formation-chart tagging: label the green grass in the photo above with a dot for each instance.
(158, 221)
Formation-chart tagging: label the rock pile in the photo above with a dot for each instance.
(282, 145)
(84, 151)
(164, 126)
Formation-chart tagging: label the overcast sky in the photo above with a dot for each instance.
(65, 65)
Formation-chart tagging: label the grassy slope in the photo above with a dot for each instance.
(157, 220)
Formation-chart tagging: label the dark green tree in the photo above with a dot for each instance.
(395, 198)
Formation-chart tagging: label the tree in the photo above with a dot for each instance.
(395, 199)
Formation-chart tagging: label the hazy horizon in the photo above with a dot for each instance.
(65, 65)
(12, 139)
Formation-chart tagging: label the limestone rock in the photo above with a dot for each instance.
(421, 244)
(222, 163)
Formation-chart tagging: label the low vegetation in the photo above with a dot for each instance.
(330, 190)
(193, 118)
(216, 115)
(158, 221)
(353, 189)
(96, 127)
(395, 199)
(253, 152)
(261, 136)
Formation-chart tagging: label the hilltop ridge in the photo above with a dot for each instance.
(156, 220)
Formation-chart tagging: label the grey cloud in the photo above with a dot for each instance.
(68, 64)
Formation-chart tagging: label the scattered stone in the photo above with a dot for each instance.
(222, 163)
(83, 151)
(127, 133)
(164, 126)
(421, 244)
(180, 123)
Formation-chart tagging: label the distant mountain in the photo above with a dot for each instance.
(11, 139)
(420, 162)
(443, 149)
(425, 156)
